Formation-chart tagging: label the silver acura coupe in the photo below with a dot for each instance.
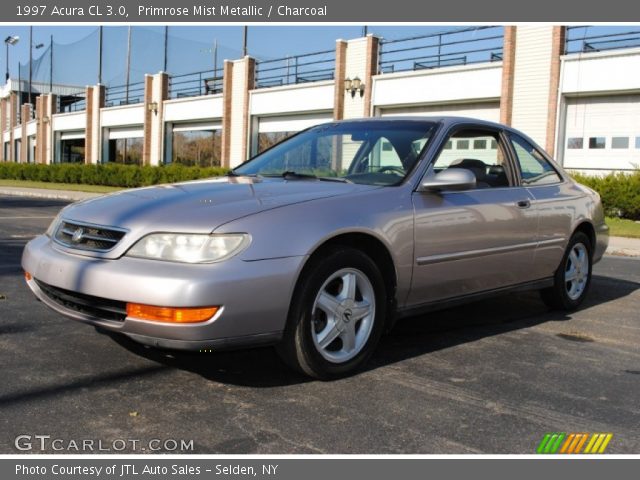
(320, 243)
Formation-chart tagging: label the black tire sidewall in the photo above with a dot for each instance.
(307, 355)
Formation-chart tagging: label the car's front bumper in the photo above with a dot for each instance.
(254, 296)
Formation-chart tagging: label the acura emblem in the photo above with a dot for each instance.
(77, 235)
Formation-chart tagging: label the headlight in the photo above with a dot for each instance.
(189, 248)
(53, 226)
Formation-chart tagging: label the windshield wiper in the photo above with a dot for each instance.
(292, 174)
(289, 175)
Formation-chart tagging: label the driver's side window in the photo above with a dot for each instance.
(478, 151)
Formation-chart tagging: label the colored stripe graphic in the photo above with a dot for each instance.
(572, 443)
(580, 443)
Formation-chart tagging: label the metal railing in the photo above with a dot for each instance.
(72, 103)
(124, 94)
(582, 39)
(310, 67)
(454, 47)
(208, 82)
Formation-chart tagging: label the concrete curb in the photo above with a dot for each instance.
(48, 194)
(624, 247)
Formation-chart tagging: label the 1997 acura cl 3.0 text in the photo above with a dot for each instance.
(319, 243)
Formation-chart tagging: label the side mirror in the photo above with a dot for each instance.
(449, 179)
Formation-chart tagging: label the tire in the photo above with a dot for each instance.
(572, 279)
(337, 315)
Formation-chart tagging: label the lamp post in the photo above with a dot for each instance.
(10, 40)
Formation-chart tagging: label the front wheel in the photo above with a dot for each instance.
(337, 315)
(573, 277)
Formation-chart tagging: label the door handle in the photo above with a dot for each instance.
(524, 203)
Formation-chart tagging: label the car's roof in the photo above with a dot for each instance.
(445, 119)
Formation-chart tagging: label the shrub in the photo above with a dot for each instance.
(114, 175)
(620, 193)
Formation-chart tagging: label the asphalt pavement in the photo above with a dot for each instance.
(490, 377)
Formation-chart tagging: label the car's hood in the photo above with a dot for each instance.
(200, 206)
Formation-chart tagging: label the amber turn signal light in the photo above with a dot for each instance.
(27, 276)
(169, 314)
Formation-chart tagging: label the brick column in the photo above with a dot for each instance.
(371, 69)
(95, 98)
(227, 89)
(508, 62)
(45, 109)
(155, 93)
(361, 60)
(3, 125)
(146, 145)
(242, 81)
(39, 129)
(339, 76)
(557, 50)
(13, 121)
(535, 81)
(25, 117)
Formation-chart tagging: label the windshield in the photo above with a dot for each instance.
(374, 153)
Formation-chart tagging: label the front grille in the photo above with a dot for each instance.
(97, 307)
(88, 237)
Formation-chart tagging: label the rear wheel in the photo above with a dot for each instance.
(573, 277)
(337, 315)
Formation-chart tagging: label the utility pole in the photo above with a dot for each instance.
(244, 40)
(99, 55)
(128, 66)
(166, 46)
(51, 64)
(30, 60)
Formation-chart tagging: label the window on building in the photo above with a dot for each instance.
(597, 143)
(463, 144)
(534, 168)
(575, 143)
(448, 145)
(620, 142)
(72, 150)
(126, 150)
(200, 148)
(17, 146)
(479, 144)
(637, 142)
(268, 139)
(31, 152)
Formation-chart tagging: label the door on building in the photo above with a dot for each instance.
(273, 129)
(601, 133)
(489, 111)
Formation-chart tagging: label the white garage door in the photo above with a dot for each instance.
(485, 110)
(292, 123)
(602, 133)
(273, 129)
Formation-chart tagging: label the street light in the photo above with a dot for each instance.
(10, 40)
